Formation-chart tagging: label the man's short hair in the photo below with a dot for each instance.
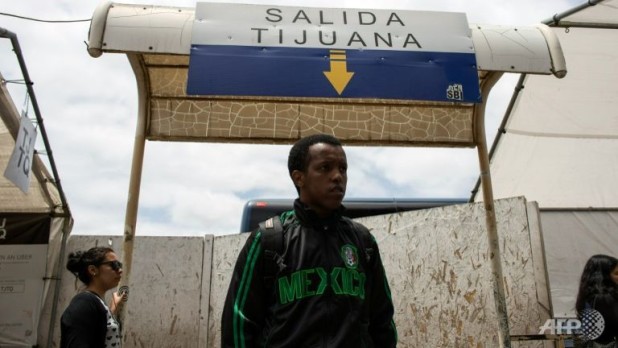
(299, 154)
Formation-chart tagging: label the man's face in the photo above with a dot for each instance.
(323, 184)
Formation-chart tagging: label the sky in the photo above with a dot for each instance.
(89, 107)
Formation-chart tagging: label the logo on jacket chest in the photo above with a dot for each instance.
(349, 255)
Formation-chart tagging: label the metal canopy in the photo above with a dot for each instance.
(157, 40)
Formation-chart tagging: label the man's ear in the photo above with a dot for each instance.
(298, 178)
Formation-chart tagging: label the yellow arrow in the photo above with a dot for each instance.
(338, 76)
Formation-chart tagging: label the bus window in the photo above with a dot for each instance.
(258, 210)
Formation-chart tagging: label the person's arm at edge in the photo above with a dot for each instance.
(243, 311)
(607, 305)
(382, 325)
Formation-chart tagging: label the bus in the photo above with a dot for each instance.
(258, 210)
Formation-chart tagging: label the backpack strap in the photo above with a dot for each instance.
(272, 244)
(368, 243)
(366, 240)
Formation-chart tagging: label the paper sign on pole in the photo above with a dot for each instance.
(20, 163)
(24, 242)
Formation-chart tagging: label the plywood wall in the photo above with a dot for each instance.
(436, 260)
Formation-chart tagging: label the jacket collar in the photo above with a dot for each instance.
(309, 217)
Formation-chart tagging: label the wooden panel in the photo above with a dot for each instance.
(440, 274)
(437, 262)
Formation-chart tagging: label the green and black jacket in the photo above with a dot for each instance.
(331, 292)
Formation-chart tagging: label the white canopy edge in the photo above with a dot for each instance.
(149, 29)
(560, 141)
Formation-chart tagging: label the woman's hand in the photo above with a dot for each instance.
(119, 298)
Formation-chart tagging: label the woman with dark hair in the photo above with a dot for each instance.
(598, 291)
(88, 322)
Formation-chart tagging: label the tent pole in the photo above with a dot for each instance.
(135, 178)
(66, 230)
(490, 213)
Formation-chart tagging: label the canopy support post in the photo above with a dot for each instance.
(135, 176)
(490, 214)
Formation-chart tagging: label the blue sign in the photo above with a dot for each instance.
(302, 52)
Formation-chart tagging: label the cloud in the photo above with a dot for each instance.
(90, 108)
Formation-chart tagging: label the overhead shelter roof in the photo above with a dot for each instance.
(157, 41)
(559, 142)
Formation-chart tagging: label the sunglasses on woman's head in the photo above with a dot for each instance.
(115, 265)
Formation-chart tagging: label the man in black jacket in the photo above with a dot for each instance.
(329, 288)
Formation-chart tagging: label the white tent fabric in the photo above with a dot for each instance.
(561, 139)
(603, 13)
(42, 198)
(559, 147)
(571, 237)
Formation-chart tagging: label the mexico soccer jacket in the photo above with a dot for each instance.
(330, 291)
